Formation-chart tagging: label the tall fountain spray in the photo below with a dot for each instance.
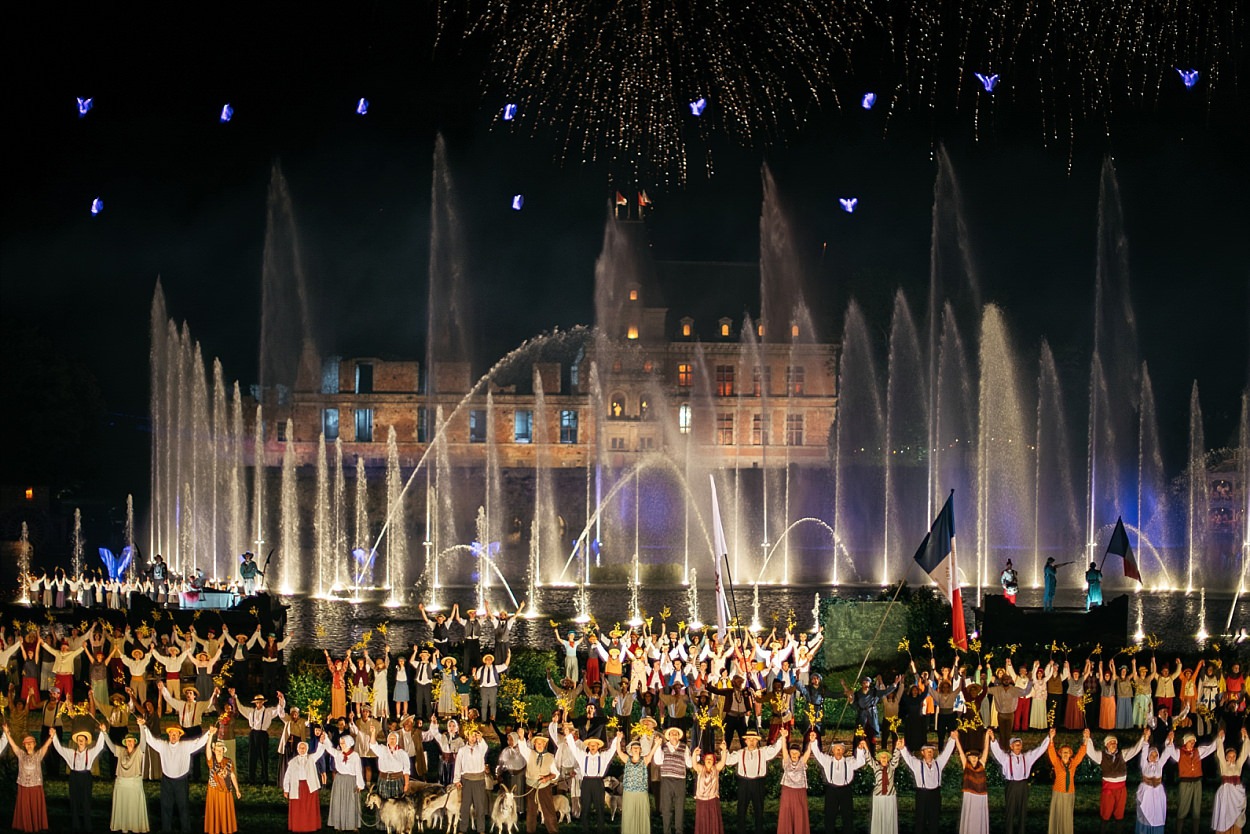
(904, 460)
(237, 490)
(158, 391)
(258, 485)
(692, 601)
(1197, 505)
(23, 561)
(128, 532)
(1055, 508)
(397, 542)
(322, 534)
(1112, 449)
(338, 514)
(290, 572)
(1152, 493)
(76, 543)
(364, 536)
(483, 558)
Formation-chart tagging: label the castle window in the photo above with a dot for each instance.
(795, 379)
(725, 429)
(477, 425)
(683, 418)
(330, 423)
(523, 426)
(364, 378)
(364, 425)
(794, 429)
(685, 374)
(568, 426)
(724, 380)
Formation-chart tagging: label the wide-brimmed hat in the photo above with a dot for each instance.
(597, 742)
(488, 658)
(258, 698)
(201, 656)
(752, 733)
(117, 698)
(137, 653)
(187, 690)
(672, 730)
(175, 731)
(86, 736)
(651, 722)
(449, 661)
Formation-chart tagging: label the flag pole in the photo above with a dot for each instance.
(871, 643)
(729, 576)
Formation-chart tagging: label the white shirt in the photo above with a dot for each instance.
(260, 718)
(390, 761)
(175, 758)
(592, 765)
(349, 764)
(753, 764)
(76, 759)
(928, 775)
(302, 771)
(470, 759)
(838, 772)
(1016, 766)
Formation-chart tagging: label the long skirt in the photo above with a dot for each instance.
(1106, 713)
(304, 812)
(1038, 713)
(219, 816)
(792, 812)
(400, 694)
(344, 803)
(30, 812)
(1073, 715)
(974, 814)
(1141, 710)
(884, 815)
(635, 812)
(338, 701)
(130, 805)
(1123, 712)
(1062, 809)
(707, 818)
(1152, 805)
(1230, 807)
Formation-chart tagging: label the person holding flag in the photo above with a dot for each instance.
(936, 556)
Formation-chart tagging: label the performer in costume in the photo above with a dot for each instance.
(635, 805)
(80, 758)
(130, 804)
(673, 759)
(540, 774)
(751, 765)
(792, 816)
(884, 793)
(926, 772)
(1114, 764)
(300, 786)
(219, 796)
(1189, 769)
(707, 815)
(349, 781)
(1063, 791)
(175, 758)
(974, 812)
(838, 771)
(1229, 814)
(30, 810)
(1152, 799)
(1016, 765)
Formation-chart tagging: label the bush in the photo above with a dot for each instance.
(532, 666)
(308, 681)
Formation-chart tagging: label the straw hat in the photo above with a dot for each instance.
(137, 654)
(85, 736)
(650, 722)
(117, 698)
(174, 732)
(449, 661)
(488, 658)
(189, 689)
(258, 698)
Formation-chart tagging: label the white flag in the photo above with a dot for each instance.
(719, 557)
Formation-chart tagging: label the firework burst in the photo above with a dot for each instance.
(641, 83)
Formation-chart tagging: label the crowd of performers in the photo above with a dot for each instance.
(644, 719)
(98, 589)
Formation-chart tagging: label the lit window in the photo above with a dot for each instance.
(633, 295)
(648, 366)
(330, 423)
(725, 325)
(725, 429)
(616, 408)
(568, 426)
(683, 418)
(794, 331)
(686, 328)
(724, 380)
(685, 374)
(794, 429)
(364, 425)
(632, 332)
(762, 381)
(30, 494)
(759, 330)
(643, 408)
(795, 379)
(523, 426)
(477, 425)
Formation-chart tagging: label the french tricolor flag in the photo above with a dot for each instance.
(937, 557)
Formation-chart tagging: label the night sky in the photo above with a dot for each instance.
(184, 199)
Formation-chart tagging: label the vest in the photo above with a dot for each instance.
(974, 781)
(1189, 765)
(536, 767)
(1114, 766)
(674, 764)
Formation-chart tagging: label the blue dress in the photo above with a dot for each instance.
(1050, 576)
(1093, 596)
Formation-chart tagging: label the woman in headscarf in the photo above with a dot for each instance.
(300, 786)
(349, 781)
